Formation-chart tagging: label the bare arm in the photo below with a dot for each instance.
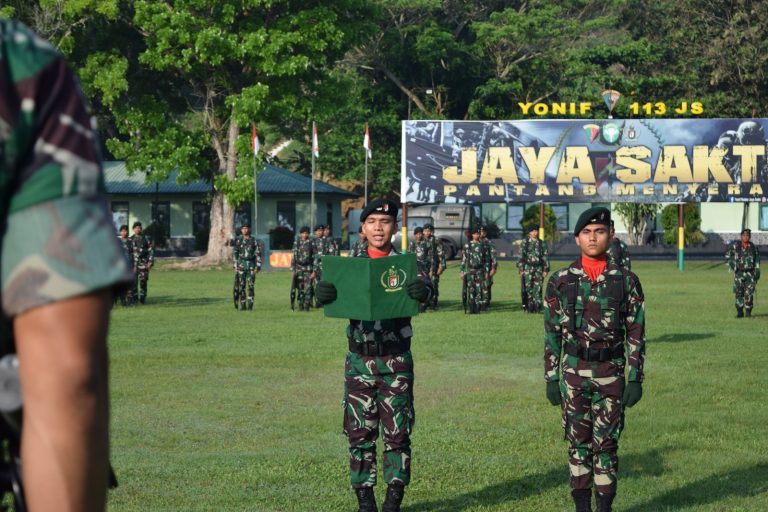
(64, 376)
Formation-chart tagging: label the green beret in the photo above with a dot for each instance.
(595, 215)
(418, 230)
(319, 227)
(304, 229)
(530, 227)
(747, 231)
(429, 227)
(379, 207)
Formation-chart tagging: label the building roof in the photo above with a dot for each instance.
(271, 181)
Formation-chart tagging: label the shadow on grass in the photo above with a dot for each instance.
(747, 481)
(682, 336)
(640, 465)
(174, 301)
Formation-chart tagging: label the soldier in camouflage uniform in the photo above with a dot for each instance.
(593, 307)
(533, 266)
(473, 268)
(330, 247)
(378, 375)
(424, 261)
(438, 257)
(60, 264)
(743, 260)
(246, 257)
(303, 268)
(493, 264)
(126, 294)
(143, 260)
(318, 248)
(618, 250)
(360, 246)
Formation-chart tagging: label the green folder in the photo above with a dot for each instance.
(370, 289)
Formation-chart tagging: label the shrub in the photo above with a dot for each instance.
(691, 219)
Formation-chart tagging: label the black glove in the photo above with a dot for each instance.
(325, 292)
(417, 290)
(633, 392)
(553, 392)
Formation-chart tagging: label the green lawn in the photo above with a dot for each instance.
(216, 409)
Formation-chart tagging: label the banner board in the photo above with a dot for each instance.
(593, 160)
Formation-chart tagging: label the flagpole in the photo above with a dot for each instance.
(255, 197)
(312, 220)
(365, 200)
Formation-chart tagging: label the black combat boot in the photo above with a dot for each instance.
(604, 501)
(747, 312)
(366, 501)
(739, 312)
(582, 498)
(393, 499)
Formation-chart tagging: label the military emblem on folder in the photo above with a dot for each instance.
(393, 279)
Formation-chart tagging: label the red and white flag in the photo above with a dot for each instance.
(255, 140)
(367, 141)
(315, 145)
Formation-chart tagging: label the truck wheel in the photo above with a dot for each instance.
(450, 250)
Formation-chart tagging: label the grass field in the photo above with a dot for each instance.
(216, 409)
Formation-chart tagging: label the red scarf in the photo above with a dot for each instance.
(375, 253)
(744, 245)
(593, 267)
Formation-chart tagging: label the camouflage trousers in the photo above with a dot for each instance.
(593, 419)
(436, 283)
(533, 281)
(378, 392)
(140, 283)
(476, 289)
(304, 288)
(244, 283)
(125, 295)
(744, 283)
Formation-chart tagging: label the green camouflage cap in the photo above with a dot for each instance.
(595, 215)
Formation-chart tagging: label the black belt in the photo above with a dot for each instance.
(373, 348)
(594, 354)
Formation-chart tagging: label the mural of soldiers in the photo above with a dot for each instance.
(378, 378)
(143, 260)
(438, 257)
(424, 261)
(618, 250)
(303, 267)
(473, 268)
(246, 258)
(126, 294)
(593, 308)
(360, 245)
(533, 266)
(743, 260)
(493, 264)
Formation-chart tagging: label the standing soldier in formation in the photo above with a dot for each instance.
(378, 378)
(743, 260)
(592, 308)
(246, 257)
(126, 294)
(474, 262)
(490, 250)
(303, 268)
(360, 245)
(424, 261)
(318, 250)
(618, 250)
(143, 260)
(533, 265)
(330, 247)
(438, 256)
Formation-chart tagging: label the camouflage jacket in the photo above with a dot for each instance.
(533, 256)
(303, 255)
(490, 250)
(330, 247)
(608, 312)
(474, 257)
(619, 253)
(388, 330)
(246, 253)
(424, 260)
(438, 253)
(740, 259)
(143, 251)
(127, 246)
(358, 248)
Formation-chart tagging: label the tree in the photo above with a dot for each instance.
(531, 216)
(691, 221)
(637, 217)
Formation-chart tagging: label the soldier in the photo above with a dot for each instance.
(330, 247)
(533, 266)
(438, 256)
(143, 260)
(474, 264)
(592, 308)
(618, 250)
(490, 250)
(360, 245)
(378, 371)
(126, 294)
(303, 268)
(743, 260)
(246, 257)
(424, 261)
(318, 248)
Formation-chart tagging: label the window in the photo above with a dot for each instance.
(515, 216)
(286, 214)
(161, 213)
(242, 215)
(561, 213)
(120, 214)
(201, 217)
(764, 217)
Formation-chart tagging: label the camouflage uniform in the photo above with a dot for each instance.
(125, 295)
(439, 266)
(58, 241)
(143, 259)
(586, 324)
(378, 392)
(318, 250)
(492, 265)
(533, 262)
(745, 265)
(358, 248)
(424, 260)
(246, 255)
(619, 253)
(474, 265)
(330, 247)
(303, 264)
